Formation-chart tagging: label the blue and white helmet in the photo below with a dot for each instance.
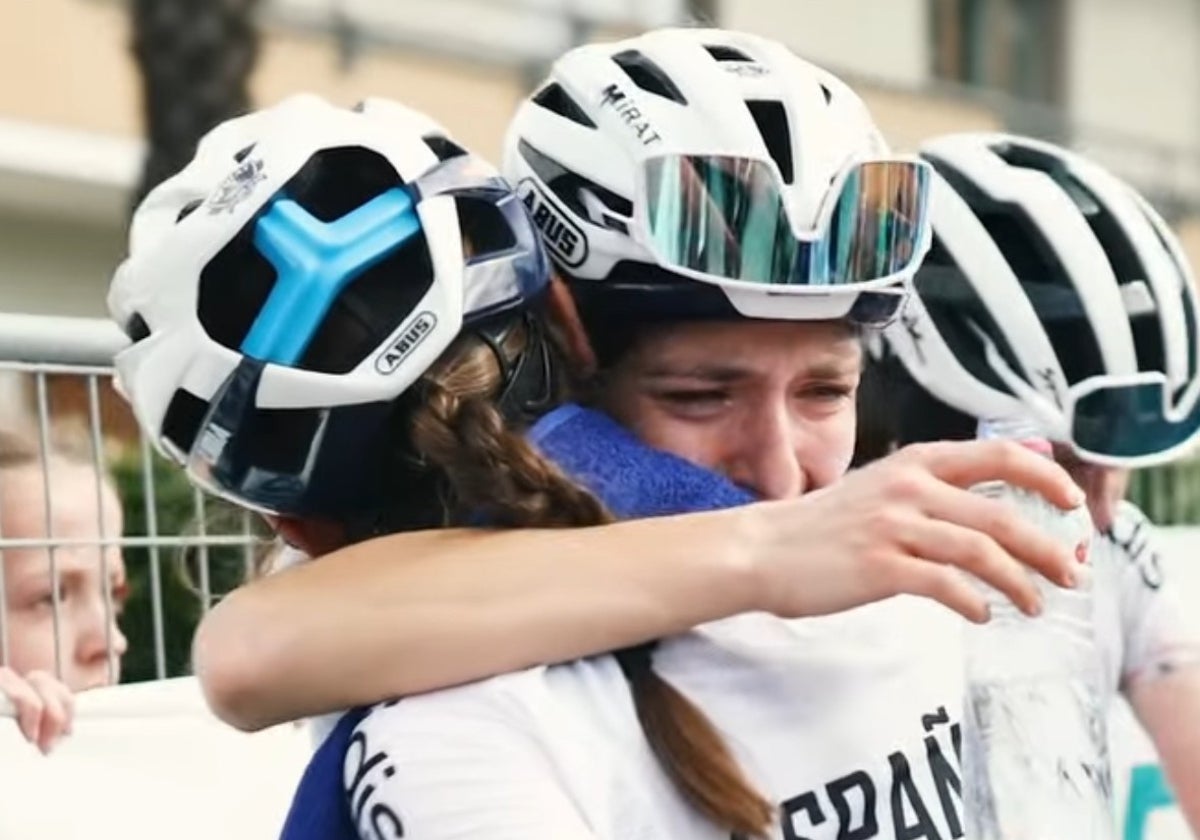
(304, 269)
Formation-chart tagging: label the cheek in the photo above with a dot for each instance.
(30, 642)
(828, 448)
(700, 443)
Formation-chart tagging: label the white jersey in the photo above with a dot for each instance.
(1143, 631)
(849, 723)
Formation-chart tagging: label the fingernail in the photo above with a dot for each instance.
(1078, 497)
(1034, 607)
(1069, 579)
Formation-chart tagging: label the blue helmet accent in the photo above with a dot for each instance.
(319, 458)
(315, 262)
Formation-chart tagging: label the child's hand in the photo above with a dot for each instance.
(45, 707)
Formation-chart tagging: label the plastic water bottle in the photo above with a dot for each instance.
(1035, 739)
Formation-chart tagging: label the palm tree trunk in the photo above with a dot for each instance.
(196, 57)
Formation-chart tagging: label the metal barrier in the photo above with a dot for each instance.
(180, 770)
(65, 365)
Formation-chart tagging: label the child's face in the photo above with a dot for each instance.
(88, 636)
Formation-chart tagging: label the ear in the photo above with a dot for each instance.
(315, 537)
(565, 316)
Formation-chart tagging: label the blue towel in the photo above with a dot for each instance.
(635, 482)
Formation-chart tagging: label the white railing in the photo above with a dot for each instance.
(149, 761)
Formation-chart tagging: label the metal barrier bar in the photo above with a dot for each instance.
(39, 348)
(160, 657)
(59, 340)
(202, 527)
(43, 414)
(93, 397)
(4, 652)
(235, 541)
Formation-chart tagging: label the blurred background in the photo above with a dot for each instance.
(101, 99)
(93, 86)
(104, 98)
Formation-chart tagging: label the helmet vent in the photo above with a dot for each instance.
(443, 147)
(1111, 237)
(956, 311)
(772, 122)
(234, 286)
(137, 328)
(1038, 269)
(187, 209)
(370, 309)
(553, 98)
(181, 422)
(648, 76)
(335, 181)
(568, 186)
(485, 231)
(723, 52)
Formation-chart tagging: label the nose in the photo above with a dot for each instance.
(1105, 488)
(767, 461)
(100, 642)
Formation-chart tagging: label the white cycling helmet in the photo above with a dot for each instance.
(302, 271)
(1054, 291)
(706, 155)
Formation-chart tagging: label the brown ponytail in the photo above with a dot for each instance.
(692, 751)
(494, 471)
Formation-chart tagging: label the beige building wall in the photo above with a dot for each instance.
(73, 57)
(79, 74)
(474, 102)
(881, 38)
(907, 118)
(54, 267)
(1135, 68)
(75, 70)
(86, 77)
(67, 63)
